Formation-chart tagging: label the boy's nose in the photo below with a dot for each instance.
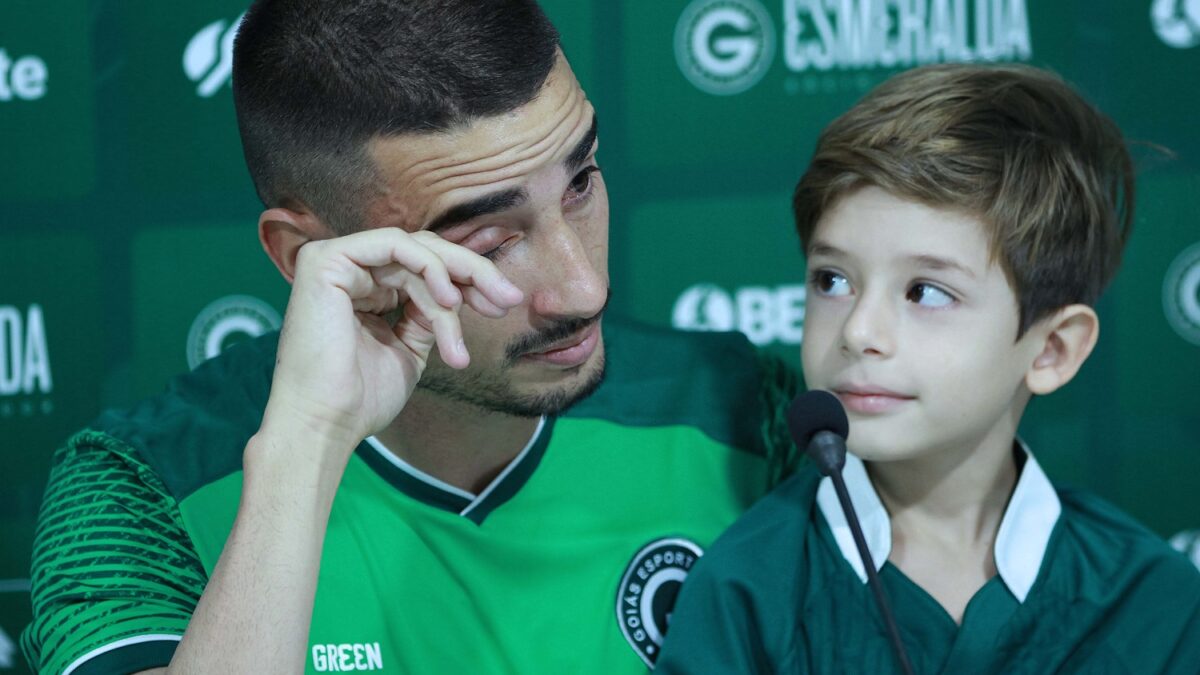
(870, 328)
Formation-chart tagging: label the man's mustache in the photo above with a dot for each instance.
(542, 339)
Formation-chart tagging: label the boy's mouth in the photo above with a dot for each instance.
(870, 400)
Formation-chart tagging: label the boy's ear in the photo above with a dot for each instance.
(1067, 338)
(282, 231)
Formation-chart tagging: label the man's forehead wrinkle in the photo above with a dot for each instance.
(447, 175)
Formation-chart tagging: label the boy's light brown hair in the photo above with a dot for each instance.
(1047, 173)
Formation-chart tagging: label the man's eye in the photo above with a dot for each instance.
(830, 283)
(581, 184)
(929, 295)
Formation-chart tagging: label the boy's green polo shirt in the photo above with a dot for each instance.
(569, 561)
(1080, 588)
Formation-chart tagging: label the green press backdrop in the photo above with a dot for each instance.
(127, 220)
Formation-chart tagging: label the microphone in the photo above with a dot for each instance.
(819, 427)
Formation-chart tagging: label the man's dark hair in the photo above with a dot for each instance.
(315, 80)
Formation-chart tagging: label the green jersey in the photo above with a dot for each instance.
(568, 562)
(1080, 588)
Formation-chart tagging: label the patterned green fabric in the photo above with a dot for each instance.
(107, 562)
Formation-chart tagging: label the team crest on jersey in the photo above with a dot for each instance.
(648, 590)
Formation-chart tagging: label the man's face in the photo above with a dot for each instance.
(522, 189)
(913, 328)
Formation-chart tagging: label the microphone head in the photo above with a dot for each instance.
(814, 411)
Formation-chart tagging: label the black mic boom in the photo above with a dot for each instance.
(819, 427)
(816, 418)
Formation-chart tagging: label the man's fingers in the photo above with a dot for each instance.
(425, 312)
(474, 298)
(468, 268)
(379, 248)
(444, 266)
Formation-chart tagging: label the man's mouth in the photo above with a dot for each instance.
(572, 351)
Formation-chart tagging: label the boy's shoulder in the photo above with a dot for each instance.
(769, 541)
(1117, 546)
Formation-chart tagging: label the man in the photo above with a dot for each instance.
(355, 498)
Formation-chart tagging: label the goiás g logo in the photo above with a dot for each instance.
(726, 46)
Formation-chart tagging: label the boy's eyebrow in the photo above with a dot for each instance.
(923, 261)
(821, 248)
(934, 262)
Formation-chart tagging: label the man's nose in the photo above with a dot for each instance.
(573, 279)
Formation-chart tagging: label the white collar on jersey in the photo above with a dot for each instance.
(1021, 542)
(473, 499)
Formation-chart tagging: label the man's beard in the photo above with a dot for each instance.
(492, 389)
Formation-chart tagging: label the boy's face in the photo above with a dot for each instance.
(913, 329)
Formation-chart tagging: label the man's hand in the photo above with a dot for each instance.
(365, 312)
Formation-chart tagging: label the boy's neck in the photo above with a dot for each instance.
(945, 510)
(959, 495)
(458, 443)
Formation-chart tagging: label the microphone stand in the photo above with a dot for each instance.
(828, 451)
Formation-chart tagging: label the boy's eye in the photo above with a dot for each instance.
(929, 295)
(830, 283)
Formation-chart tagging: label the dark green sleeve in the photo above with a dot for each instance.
(114, 575)
(780, 384)
(715, 628)
(1184, 655)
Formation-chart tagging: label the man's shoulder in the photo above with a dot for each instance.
(716, 382)
(195, 430)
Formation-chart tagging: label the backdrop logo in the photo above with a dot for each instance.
(7, 650)
(724, 46)
(765, 315)
(24, 362)
(1177, 22)
(225, 322)
(647, 592)
(208, 58)
(821, 35)
(1181, 294)
(22, 79)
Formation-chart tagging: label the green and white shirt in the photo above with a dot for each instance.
(1080, 588)
(569, 562)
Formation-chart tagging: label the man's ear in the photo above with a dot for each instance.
(282, 231)
(1067, 338)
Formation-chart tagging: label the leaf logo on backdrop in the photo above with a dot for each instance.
(724, 46)
(22, 79)
(226, 322)
(208, 58)
(1181, 294)
(1177, 22)
(765, 315)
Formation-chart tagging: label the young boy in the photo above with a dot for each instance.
(959, 222)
